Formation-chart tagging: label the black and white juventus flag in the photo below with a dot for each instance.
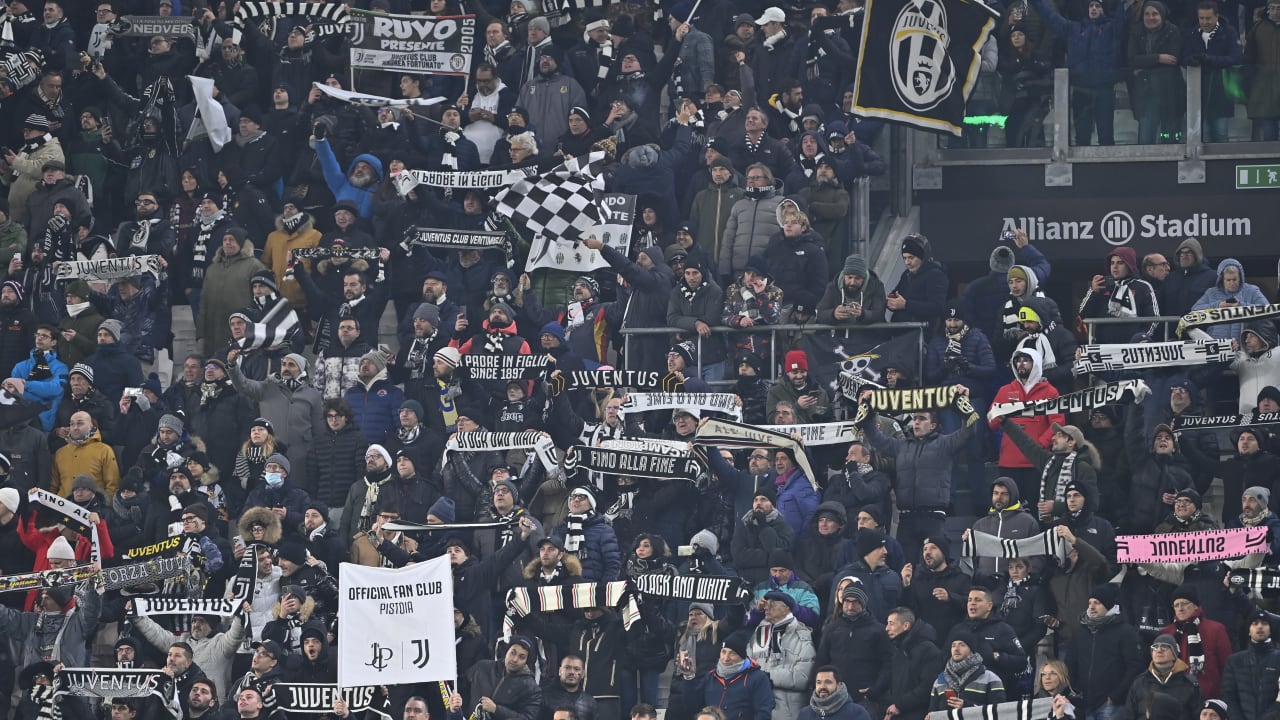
(714, 589)
(1223, 422)
(919, 60)
(1037, 709)
(635, 379)
(274, 329)
(1217, 316)
(1079, 401)
(1138, 356)
(256, 10)
(317, 699)
(560, 203)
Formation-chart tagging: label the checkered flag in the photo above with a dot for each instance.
(560, 203)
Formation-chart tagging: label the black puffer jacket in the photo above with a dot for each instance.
(1249, 677)
(1104, 661)
(796, 264)
(816, 553)
(858, 646)
(517, 696)
(334, 462)
(913, 666)
(1153, 475)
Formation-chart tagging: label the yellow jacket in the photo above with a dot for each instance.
(91, 457)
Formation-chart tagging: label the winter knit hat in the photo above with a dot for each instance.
(115, 327)
(84, 482)
(430, 313)
(171, 422)
(1001, 259)
(10, 499)
(855, 590)
(449, 356)
(737, 642)
(377, 358)
(1108, 594)
(60, 549)
(707, 539)
(1261, 494)
(855, 265)
(1166, 639)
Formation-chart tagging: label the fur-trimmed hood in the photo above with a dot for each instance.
(264, 516)
(304, 613)
(570, 563)
(358, 264)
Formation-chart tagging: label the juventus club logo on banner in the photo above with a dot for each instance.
(923, 75)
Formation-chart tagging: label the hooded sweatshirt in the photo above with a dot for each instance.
(1040, 427)
(1248, 294)
(1016, 521)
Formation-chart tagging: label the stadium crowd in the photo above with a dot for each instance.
(302, 435)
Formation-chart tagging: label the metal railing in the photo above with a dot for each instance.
(1165, 320)
(773, 330)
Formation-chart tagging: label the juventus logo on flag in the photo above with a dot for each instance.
(919, 60)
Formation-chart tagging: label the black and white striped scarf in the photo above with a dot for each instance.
(1065, 474)
(1189, 632)
(575, 531)
(791, 117)
(955, 341)
(204, 240)
(980, 544)
(264, 10)
(42, 697)
(604, 60)
(449, 158)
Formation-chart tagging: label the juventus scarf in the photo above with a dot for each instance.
(638, 379)
(980, 544)
(373, 101)
(633, 464)
(713, 589)
(160, 548)
(578, 596)
(1264, 580)
(693, 403)
(407, 526)
(834, 433)
(1137, 356)
(1217, 316)
(110, 268)
(71, 515)
(480, 441)
(724, 433)
(910, 400)
(257, 10)
(150, 571)
(1191, 547)
(1216, 422)
(1087, 399)
(415, 236)
(1036, 709)
(146, 606)
(317, 699)
(319, 253)
(1189, 632)
(110, 683)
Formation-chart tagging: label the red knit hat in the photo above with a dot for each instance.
(796, 360)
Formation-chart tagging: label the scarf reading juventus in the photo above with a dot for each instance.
(550, 598)
(1079, 401)
(110, 683)
(1189, 632)
(1264, 580)
(1065, 474)
(980, 544)
(1217, 316)
(1216, 422)
(1136, 356)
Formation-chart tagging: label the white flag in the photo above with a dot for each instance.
(397, 624)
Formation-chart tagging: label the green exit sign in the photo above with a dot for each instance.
(1257, 177)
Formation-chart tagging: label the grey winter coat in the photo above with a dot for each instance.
(298, 417)
(923, 464)
(213, 653)
(1014, 522)
(752, 224)
(789, 667)
(69, 639)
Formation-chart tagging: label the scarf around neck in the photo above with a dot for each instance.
(959, 673)
(1189, 632)
(830, 704)
(575, 531)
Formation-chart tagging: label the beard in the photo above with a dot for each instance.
(500, 323)
(360, 180)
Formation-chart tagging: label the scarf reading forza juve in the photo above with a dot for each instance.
(1217, 316)
(1198, 546)
(1136, 356)
(1087, 399)
(918, 61)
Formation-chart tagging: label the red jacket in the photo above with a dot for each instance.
(38, 542)
(1039, 427)
(1216, 647)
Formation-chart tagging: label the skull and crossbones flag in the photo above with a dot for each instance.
(919, 60)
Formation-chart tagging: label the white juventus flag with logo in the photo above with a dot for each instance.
(919, 60)
(397, 624)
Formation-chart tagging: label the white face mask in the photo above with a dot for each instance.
(274, 479)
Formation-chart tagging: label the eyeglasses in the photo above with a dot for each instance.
(144, 202)
(1182, 501)
(756, 456)
(264, 653)
(103, 11)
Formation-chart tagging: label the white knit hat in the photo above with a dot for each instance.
(10, 499)
(60, 550)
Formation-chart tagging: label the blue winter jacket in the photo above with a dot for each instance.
(599, 553)
(797, 501)
(1248, 294)
(376, 407)
(341, 188)
(46, 392)
(745, 695)
(1095, 48)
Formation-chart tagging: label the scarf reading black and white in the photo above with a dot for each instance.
(1137, 356)
(1189, 632)
(1047, 543)
(1115, 393)
(715, 589)
(1217, 316)
(550, 598)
